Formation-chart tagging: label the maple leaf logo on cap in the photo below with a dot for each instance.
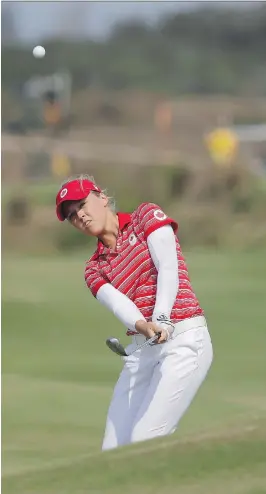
(63, 193)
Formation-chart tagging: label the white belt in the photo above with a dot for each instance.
(180, 327)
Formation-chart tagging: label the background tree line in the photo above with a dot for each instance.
(207, 51)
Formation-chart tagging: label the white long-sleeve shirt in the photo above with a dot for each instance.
(162, 248)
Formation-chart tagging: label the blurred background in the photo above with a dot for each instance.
(167, 96)
(162, 102)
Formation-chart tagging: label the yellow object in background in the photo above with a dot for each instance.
(52, 114)
(222, 145)
(60, 165)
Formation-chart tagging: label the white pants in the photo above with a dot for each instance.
(157, 385)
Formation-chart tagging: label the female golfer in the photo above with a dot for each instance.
(139, 273)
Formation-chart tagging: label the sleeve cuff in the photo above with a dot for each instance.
(167, 221)
(96, 287)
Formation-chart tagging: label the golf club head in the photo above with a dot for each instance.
(115, 345)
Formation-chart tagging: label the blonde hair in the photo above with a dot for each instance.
(84, 176)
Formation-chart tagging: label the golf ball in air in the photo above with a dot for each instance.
(38, 52)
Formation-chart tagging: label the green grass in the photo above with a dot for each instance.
(58, 375)
(38, 194)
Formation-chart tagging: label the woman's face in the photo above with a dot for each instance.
(88, 215)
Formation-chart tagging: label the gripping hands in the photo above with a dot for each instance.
(163, 327)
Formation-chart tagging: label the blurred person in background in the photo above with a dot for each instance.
(139, 273)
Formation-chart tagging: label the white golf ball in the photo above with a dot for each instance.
(38, 52)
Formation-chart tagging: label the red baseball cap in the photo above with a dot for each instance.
(73, 191)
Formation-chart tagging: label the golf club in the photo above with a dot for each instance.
(116, 347)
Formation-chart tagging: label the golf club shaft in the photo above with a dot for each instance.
(116, 347)
(146, 343)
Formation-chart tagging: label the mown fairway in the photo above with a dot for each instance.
(57, 379)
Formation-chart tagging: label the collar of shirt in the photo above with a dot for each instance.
(124, 219)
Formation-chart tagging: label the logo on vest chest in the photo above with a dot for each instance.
(132, 239)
